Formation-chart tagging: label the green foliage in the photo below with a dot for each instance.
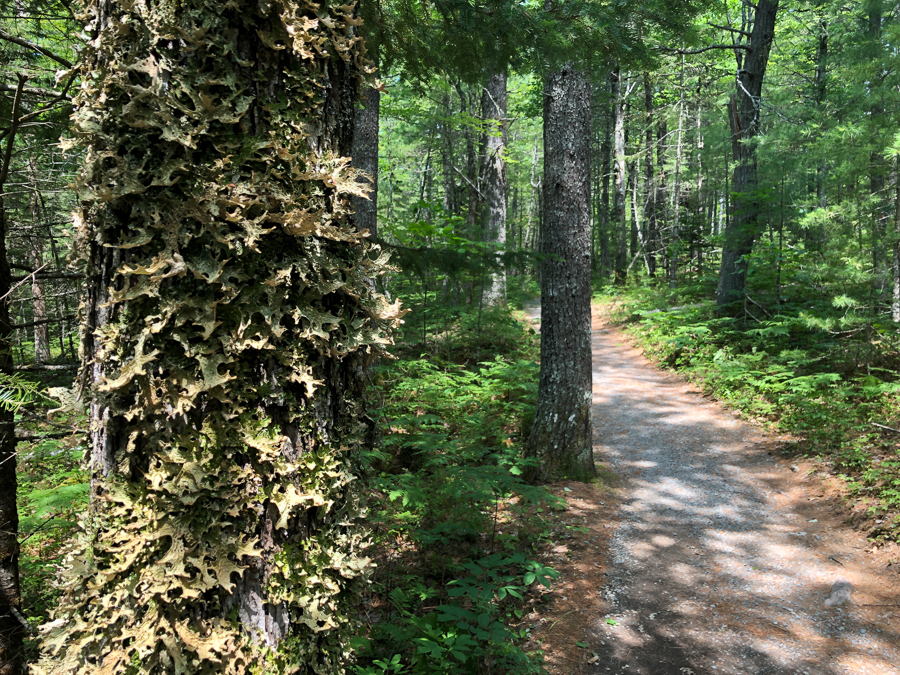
(445, 483)
(53, 491)
(16, 390)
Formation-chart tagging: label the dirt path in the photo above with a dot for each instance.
(724, 560)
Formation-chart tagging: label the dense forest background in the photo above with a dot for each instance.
(802, 334)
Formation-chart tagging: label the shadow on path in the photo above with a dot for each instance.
(713, 568)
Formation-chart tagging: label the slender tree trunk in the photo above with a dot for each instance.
(649, 186)
(631, 170)
(676, 199)
(531, 234)
(744, 113)
(229, 321)
(877, 168)
(36, 260)
(662, 133)
(561, 438)
(606, 164)
(472, 182)
(701, 219)
(895, 248)
(494, 184)
(818, 235)
(620, 225)
(12, 632)
(451, 205)
(365, 157)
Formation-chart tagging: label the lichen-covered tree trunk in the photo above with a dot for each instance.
(493, 180)
(229, 316)
(744, 116)
(365, 157)
(561, 438)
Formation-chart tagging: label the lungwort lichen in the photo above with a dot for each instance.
(228, 320)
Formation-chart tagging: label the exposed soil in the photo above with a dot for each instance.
(701, 551)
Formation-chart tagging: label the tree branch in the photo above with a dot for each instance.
(22, 42)
(733, 30)
(37, 91)
(702, 49)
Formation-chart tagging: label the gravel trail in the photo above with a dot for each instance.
(722, 562)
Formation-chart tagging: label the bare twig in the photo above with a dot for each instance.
(733, 30)
(32, 324)
(767, 312)
(881, 426)
(23, 280)
(22, 620)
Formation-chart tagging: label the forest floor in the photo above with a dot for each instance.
(702, 551)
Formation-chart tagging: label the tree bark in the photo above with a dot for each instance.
(229, 321)
(650, 215)
(531, 235)
(662, 133)
(36, 260)
(365, 157)
(895, 248)
(561, 439)
(676, 198)
(451, 204)
(494, 183)
(12, 632)
(620, 226)
(606, 167)
(744, 115)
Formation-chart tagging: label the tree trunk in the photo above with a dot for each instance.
(12, 633)
(561, 437)
(676, 198)
(494, 185)
(620, 226)
(472, 187)
(744, 113)
(818, 236)
(895, 248)
(229, 320)
(36, 260)
(649, 186)
(451, 205)
(531, 234)
(606, 164)
(365, 157)
(662, 133)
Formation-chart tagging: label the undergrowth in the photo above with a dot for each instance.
(820, 367)
(455, 527)
(52, 491)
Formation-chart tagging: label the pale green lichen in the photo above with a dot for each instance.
(240, 315)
